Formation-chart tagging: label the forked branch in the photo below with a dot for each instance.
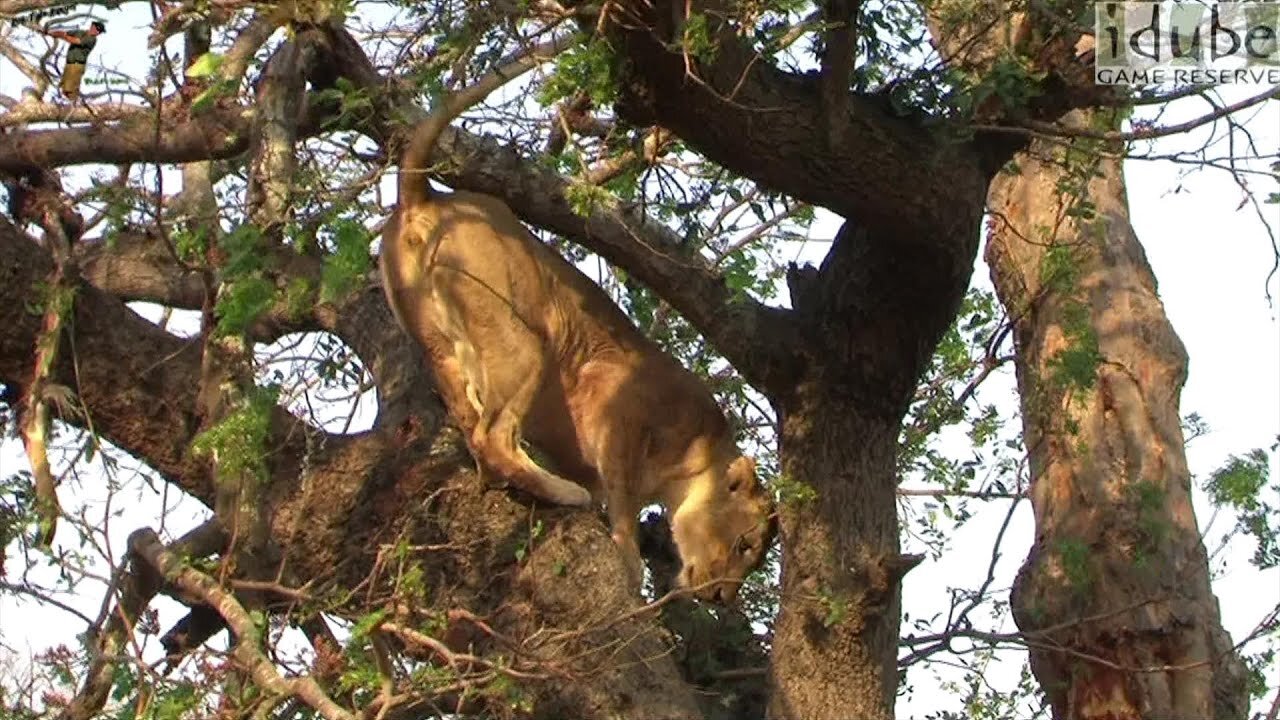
(135, 586)
(248, 645)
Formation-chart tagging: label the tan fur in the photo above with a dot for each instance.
(526, 347)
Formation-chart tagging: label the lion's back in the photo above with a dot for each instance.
(485, 236)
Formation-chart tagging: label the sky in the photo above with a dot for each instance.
(1211, 258)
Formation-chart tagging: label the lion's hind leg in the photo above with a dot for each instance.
(496, 439)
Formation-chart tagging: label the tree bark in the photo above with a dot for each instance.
(1114, 596)
(836, 638)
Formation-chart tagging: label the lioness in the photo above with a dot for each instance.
(525, 346)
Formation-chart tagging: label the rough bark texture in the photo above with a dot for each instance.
(836, 637)
(1115, 593)
(841, 547)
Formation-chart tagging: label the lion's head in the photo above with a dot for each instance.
(723, 532)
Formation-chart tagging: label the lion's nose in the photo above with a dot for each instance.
(725, 593)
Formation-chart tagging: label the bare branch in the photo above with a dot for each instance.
(1038, 128)
(248, 646)
(137, 587)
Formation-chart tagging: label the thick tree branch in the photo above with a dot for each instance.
(215, 134)
(767, 124)
(138, 266)
(142, 398)
(31, 110)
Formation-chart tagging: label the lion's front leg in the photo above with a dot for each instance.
(618, 467)
(622, 522)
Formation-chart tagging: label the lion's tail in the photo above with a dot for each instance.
(413, 187)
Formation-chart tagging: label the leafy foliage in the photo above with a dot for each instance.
(346, 267)
(238, 442)
(1241, 484)
(585, 68)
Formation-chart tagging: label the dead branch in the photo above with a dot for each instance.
(137, 586)
(37, 197)
(460, 662)
(247, 649)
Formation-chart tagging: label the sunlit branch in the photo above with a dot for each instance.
(134, 590)
(247, 648)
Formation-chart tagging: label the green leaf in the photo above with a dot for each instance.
(239, 441)
(210, 95)
(205, 65)
(1239, 481)
(344, 270)
(367, 623)
(205, 99)
(244, 252)
(586, 68)
(242, 302)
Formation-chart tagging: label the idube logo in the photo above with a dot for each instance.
(1187, 43)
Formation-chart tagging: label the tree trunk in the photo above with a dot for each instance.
(868, 321)
(1114, 596)
(836, 638)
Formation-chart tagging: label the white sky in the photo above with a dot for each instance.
(1211, 260)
